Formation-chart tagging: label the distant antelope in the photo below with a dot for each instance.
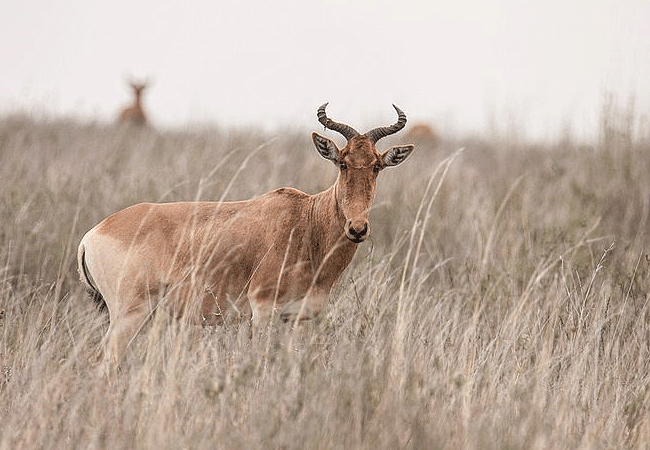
(422, 133)
(134, 113)
(277, 254)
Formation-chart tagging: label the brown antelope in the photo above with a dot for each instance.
(422, 133)
(134, 114)
(277, 254)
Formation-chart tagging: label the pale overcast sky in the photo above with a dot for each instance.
(535, 63)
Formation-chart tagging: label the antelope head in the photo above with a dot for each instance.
(138, 88)
(359, 163)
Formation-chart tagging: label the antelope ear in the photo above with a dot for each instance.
(395, 155)
(325, 147)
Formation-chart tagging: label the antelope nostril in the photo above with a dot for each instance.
(359, 233)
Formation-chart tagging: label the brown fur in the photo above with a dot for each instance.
(423, 133)
(277, 254)
(134, 113)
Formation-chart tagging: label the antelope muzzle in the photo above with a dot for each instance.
(357, 231)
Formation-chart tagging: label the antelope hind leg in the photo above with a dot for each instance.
(121, 331)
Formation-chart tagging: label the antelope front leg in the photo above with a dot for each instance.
(261, 321)
(305, 308)
(262, 313)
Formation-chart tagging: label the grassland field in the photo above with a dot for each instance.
(502, 301)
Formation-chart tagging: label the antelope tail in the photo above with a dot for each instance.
(87, 278)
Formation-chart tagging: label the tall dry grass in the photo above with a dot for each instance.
(502, 301)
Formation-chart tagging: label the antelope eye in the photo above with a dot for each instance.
(343, 166)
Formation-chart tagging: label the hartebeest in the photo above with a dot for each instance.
(134, 114)
(210, 261)
(422, 133)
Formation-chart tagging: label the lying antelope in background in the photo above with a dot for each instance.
(423, 133)
(134, 114)
(279, 253)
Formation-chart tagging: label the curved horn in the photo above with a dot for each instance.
(377, 133)
(345, 130)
